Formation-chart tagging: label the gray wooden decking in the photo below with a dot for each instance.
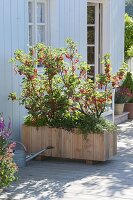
(54, 179)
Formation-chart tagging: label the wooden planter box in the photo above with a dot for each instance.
(96, 147)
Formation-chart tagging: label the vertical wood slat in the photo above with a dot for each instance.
(26, 137)
(46, 139)
(110, 145)
(35, 139)
(116, 39)
(66, 144)
(114, 144)
(107, 146)
(57, 142)
(12, 21)
(88, 150)
(99, 147)
(96, 147)
(77, 146)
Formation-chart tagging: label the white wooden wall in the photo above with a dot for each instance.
(117, 11)
(13, 35)
(69, 19)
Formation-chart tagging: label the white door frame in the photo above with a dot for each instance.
(96, 1)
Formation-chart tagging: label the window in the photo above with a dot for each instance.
(94, 38)
(37, 21)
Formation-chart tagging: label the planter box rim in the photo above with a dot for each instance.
(119, 103)
(128, 103)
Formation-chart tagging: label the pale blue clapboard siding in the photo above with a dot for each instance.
(23, 41)
(117, 11)
(72, 23)
(54, 22)
(12, 36)
(69, 20)
(15, 80)
(6, 69)
(83, 27)
(2, 60)
(106, 28)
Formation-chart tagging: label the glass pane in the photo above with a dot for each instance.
(30, 11)
(90, 35)
(30, 35)
(91, 55)
(91, 72)
(90, 14)
(40, 12)
(40, 33)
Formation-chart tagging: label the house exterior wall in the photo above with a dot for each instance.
(13, 35)
(67, 18)
(117, 11)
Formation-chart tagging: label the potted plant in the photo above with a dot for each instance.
(8, 168)
(128, 83)
(65, 104)
(120, 99)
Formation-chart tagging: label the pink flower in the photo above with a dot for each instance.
(65, 71)
(2, 124)
(5, 132)
(12, 145)
(73, 68)
(67, 56)
(76, 61)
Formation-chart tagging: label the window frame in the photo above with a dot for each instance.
(35, 24)
(98, 43)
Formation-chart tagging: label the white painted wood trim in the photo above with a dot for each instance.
(111, 110)
(97, 29)
(96, 39)
(95, 1)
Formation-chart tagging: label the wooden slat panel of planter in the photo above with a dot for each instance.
(77, 146)
(57, 142)
(46, 139)
(108, 146)
(87, 145)
(26, 137)
(110, 143)
(66, 144)
(36, 138)
(99, 146)
(111, 146)
(114, 144)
